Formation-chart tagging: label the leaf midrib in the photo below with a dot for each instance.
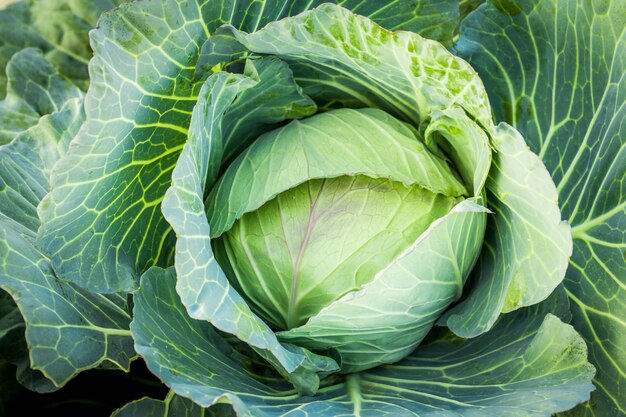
(292, 313)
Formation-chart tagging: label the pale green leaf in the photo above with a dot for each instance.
(464, 142)
(340, 142)
(325, 238)
(367, 328)
(526, 245)
(341, 59)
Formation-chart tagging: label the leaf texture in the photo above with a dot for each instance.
(556, 71)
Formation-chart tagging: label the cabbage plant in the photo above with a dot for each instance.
(290, 208)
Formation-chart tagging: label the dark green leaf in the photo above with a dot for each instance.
(530, 364)
(68, 329)
(16, 33)
(172, 406)
(13, 348)
(102, 225)
(34, 89)
(557, 71)
(58, 27)
(468, 6)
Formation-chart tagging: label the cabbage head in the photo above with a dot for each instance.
(299, 208)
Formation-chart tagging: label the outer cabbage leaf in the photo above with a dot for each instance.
(530, 364)
(58, 27)
(204, 289)
(34, 89)
(557, 71)
(67, 328)
(468, 6)
(23, 185)
(526, 245)
(172, 406)
(102, 226)
(14, 350)
(433, 19)
(344, 60)
(16, 33)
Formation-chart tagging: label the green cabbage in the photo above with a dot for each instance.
(291, 208)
